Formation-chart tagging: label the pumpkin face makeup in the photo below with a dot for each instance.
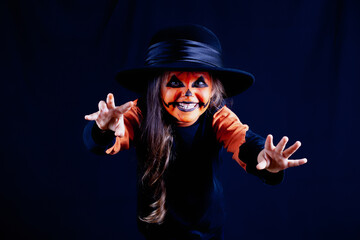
(186, 95)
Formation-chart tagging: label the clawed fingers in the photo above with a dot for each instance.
(292, 149)
(261, 165)
(120, 128)
(110, 101)
(276, 158)
(102, 106)
(281, 145)
(124, 108)
(109, 116)
(295, 163)
(269, 142)
(92, 116)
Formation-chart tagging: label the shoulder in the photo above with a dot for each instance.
(226, 122)
(225, 116)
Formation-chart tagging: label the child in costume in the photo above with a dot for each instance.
(178, 128)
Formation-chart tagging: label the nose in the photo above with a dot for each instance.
(188, 93)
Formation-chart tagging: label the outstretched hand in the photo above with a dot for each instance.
(110, 117)
(276, 158)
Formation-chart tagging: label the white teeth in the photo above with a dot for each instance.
(187, 105)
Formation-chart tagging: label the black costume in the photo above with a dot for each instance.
(194, 198)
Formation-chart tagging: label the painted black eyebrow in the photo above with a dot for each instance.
(201, 78)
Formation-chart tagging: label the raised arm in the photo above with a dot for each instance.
(255, 154)
(112, 128)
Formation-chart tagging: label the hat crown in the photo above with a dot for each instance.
(192, 32)
(187, 44)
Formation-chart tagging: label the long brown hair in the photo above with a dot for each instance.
(157, 134)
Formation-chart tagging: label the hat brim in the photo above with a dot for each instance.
(234, 81)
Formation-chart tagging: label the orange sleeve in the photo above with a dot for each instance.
(132, 119)
(230, 132)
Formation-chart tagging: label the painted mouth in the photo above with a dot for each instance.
(186, 106)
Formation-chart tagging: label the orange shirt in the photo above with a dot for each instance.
(227, 126)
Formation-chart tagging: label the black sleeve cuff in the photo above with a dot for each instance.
(97, 140)
(102, 137)
(249, 152)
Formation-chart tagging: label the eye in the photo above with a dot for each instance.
(174, 82)
(200, 83)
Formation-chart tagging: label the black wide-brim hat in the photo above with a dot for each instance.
(185, 48)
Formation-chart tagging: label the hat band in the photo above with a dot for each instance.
(182, 50)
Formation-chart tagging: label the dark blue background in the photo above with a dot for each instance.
(59, 59)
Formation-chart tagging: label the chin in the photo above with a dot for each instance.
(188, 119)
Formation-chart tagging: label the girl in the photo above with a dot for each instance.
(178, 129)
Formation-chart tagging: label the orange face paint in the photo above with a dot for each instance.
(186, 95)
